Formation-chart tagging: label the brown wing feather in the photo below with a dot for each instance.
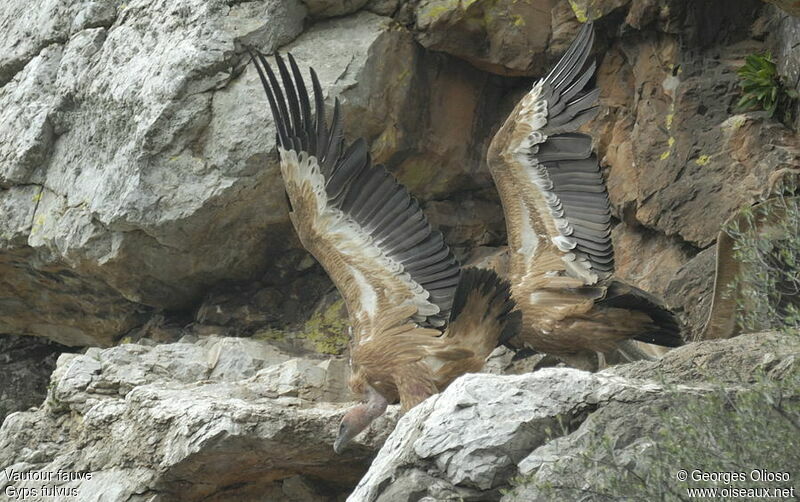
(397, 276)
(358, 222)
(554, 198)
(483, 317)
(559, 220)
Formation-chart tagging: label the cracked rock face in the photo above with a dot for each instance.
(25, 367)
(478, 437)
(137, 170)
(506, 37)
(102, 170)
(135, 165)
(216, 419)
(136, 157)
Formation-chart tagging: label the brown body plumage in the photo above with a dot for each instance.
(559, 222)
(418, 321)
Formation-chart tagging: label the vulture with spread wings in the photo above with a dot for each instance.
(418, 321)
(559, 223)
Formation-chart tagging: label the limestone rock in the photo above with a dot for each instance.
(25, 366)
(789, 6)
(482, 432)
(506, 37)
(787, 34)
(690, 292)
(732, 361)
(647, 259)
(383, 7)
(467, 456)
(137, 151)
(467, 221)
(210, 420)
(331, 8)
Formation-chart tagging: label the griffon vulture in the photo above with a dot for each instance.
(559, 224)
(418, 321)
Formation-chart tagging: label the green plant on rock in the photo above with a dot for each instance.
(762, 86)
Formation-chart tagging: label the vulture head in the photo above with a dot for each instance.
(359, 417)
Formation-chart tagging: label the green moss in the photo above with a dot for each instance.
(327, 329)
(703, 160)
(478, 15)
(270, 334)
(423, 175)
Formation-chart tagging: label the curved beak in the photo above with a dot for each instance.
(340, 443)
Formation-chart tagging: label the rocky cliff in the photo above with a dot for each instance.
(140, 201)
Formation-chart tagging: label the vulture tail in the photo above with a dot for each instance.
(483, 315)
(664, 331)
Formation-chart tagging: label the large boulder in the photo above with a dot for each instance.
(25, 367)
(206, 419)
(330, 8)
(506, 37)
(487, 434)
(136, 173)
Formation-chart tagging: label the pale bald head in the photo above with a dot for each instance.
(359, 417)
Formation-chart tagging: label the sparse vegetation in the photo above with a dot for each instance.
(767, 245)
(724, 429)
(719, 432)
(763, 88)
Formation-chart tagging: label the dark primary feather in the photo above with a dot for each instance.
(666, 330)
(487, 283)
(566, 156)
(367, 193)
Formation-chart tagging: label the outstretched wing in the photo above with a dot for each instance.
(554, 197)
(354, 217)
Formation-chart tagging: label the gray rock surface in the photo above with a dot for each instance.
(505, 36)
(25, 366)
(140, 147)
(215, 419)
(786, 55)
(484, 431)
(331, 8)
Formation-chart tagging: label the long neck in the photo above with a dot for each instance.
(376, 403)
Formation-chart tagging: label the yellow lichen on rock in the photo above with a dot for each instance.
(327, 329)
(581, 11)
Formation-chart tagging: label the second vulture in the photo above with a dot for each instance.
(418, 321)
(559, 224)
